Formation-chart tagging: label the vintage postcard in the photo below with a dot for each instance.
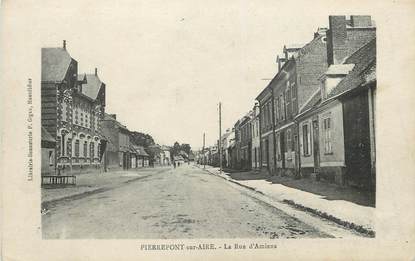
(140, 130)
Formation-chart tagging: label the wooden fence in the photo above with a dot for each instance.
(58, 180)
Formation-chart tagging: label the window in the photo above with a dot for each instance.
(91, 150)
(294, 98)
(327, 135)
(266, 115)
(282, 107)
(306, 140)
(278, 147)
(75, 118)
(50, 158)
(85, 149)
(276, 109)
(63, 145)
(287, 102)
(269, 114)
(289, 143)
(77, 148)
(68, 147)
(64, 110)
(97, 149)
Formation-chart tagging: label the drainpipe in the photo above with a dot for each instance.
(260, 135)
(273, 128)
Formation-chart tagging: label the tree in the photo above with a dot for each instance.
(186, 148)
(176, 149)
(142, 139)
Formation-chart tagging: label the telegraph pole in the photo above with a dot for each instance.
(220, 137)
(203, 151)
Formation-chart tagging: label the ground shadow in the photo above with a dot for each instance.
(328, 191)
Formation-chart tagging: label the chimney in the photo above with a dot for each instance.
(281, 61)
(320, 31)
(336, 39)
(96, 73)
(285, 52)
(278, 62)
(361, 21)
(64, 44)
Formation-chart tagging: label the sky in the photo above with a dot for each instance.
(167, 64)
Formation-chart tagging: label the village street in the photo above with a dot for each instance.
(185, 202)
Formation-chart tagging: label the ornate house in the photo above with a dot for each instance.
(72, 108)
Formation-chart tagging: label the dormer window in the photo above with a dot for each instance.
(333, 77)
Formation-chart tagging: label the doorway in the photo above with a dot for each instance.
(282, 149)
(316, 146)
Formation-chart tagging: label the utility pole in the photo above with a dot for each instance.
(203, 151)
(220, 137)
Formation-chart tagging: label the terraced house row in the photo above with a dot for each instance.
(317, 115)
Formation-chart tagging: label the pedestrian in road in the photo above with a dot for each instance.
(174, 164)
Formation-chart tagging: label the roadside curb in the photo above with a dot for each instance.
(347, 224)
(350, 225)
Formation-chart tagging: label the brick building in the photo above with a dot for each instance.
(246, 142)
(255, 139)
(336, 126)
(307, 76)
(118, 151)
(296, 80)
(236, 149)
(72, 107)
(267, 133)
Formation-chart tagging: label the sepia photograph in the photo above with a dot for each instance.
(293, 159)
(207, 130)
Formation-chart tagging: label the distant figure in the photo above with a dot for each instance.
(174, 164)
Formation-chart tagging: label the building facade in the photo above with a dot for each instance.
(267, 129)
(323, 143)
(48, 145)
(72, 107)
(297, 79)
(118, 150)
(246, 141)
(139, 157)
(166, 160)
(337, 125)
(255, 139)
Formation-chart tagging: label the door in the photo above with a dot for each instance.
(249, 155)
(316, 146)
(296, 155)
(282, 149)
(267, 152)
